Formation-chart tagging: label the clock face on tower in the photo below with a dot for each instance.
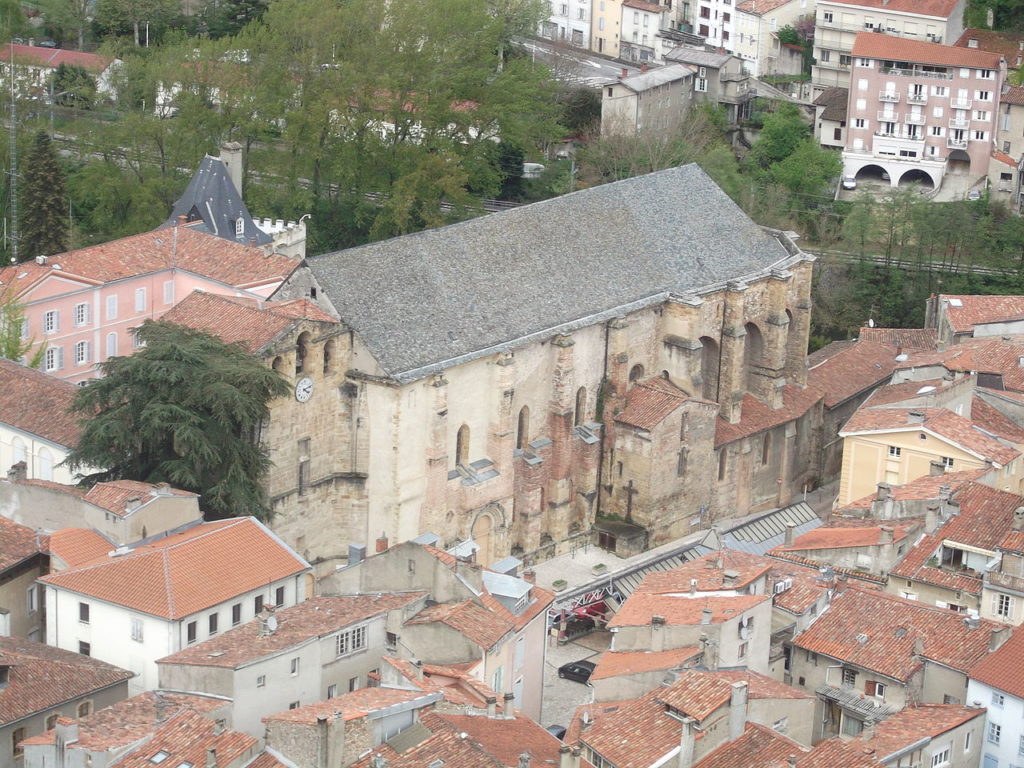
(303, 389)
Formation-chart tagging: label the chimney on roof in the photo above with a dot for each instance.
(1018, 519)
(382, 543)
(508, 708)
(161, 705)
(687, 740)
(931, 518)
(883, 490)
(693, 587)
(643, 66)
(182, 220)
(791, 761)
(657, 635)
(998, 637)
(18, 473)
(564, 756)
(918, 646)
(492, 706)
(971, 622)
(66, 732)
(524, 760)
(868, 731)
(356, 553)
(41, 260)
(737, 709)
(231, 156)
(790, 533)
(132, 504)
(211, 757)
(705, 615)
(886, 535)
(936, 468)
(915, 417)
(530, 576)
(624, 74)
(730, 577)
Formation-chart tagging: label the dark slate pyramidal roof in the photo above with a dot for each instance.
(211, 197)
(429, 300)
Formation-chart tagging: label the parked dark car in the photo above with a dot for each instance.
(579, 671)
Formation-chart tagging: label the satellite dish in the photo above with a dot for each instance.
(272, 623)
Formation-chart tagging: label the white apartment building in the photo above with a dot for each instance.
(569, 23)
(995, 683)
(757, 35)
(837, 23)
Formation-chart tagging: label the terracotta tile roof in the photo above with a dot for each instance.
(41, 677)
(1013, 95)
(792, 557)
(910, 725)
(915, 566)
(115, 495)
(761, 686)
(838, 538)
(890, 394)
(38, 403)
(51, 58)
(760, 7)
(921, 489)
(976, 309)
(984, 354)
(1006, 44)
(757, 746)
(185, 738)
(183, 248)
(904, 339)
(316, 617)
(540, 600)
(710, 576)
(593, 711)
(939, 8)
(75, 546)
(504, 738)
(991, 420)
(681, 611)
(352, 706)
(268, 760)
(1013, 541)
(636, 734)
(1002, 668)
(832, 99)
(758, 417)
(835, 752)
(940, 422)
(129, 720)
(644, 6)
(186, 572)
(799, 598)
(469, 619)
(18, 543)
(1004, 158)
(254, 324)
(457, 686)
(697, 694)
(824, 353)
(651, 401)
(876, 45)
(616, 663)
(889, 627)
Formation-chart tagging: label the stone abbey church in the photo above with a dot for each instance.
(619, 365)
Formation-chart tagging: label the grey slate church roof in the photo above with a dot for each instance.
(429, 300)
(212, 197)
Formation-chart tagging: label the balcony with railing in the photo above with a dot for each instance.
(917, 98)
(887, 117)
(1004, 580)
(914, 119)
(956, 143)
(890, 96)
(960, 103)
(915, 72)
(959, 122)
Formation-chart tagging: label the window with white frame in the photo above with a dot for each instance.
(54, 358)
(895, 451)
(701, 85)
(1020, 746)
(864, 63)
(140, 299)
(861, 105)
(986, 74)
(941, 758)
(826, 17)
(81, 314)
(51, 321)
(294, 666)
(111, 344)
(169, 292)
(979, 135)
(31, 599)
(947, 462)
(350, 641)
(937, 112)
(936, 130)
(137, 630)
(81, 353)
(983, 95)
(983, 115)
(940, 91)
(995, 733)
(860, 122)
(998, 699)
(1002, 605)
(112, 307)
(849, 676)
(239, 226)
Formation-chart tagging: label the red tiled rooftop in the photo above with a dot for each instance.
(186, 737)
(682, 611)
(186, 572)
(758, 746)
(1013, 95)
(760, 7)
(921, 489)
(903, 339)
(42, 677)
(1002, 668)
(51, 58)
(876, 45)
(38, 403)
(114, 496)
(1006, 44)
(352, 706)
(504, 738)
(891, 394)
(709, 573)
(838, 538)
(758, 417)
(877, 631)
(476, 623)
(616, 663)
(975, 309)
(75, 546)
(637, 734)
(993, 421)
(456, 685)
(852, 370)
(18, 543)
(649, 402)
(910, 725)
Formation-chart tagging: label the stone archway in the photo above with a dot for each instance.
(484, 532)
(919, 178)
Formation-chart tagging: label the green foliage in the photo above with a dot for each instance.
(223, 18)
(67, 19)
(186, 409)
(581, 110)
(73, 86)
(13, 22)
(44, 208)
(789, 36)
(783, 132)
(1007, 14)
(14, 345)
(808, 169)
(122, 17)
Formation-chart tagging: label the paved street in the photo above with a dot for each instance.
(574, 65)
(561, 697)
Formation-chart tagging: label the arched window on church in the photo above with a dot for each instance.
(709, 365)
(636, 373)
(329, 347)
(580, 415)
(301, 352)
(753, 354)
(766, 447)
(462, 445)
(721, 464)
(523, 431)
(278, 364)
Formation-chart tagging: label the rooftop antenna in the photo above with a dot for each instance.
(14, 162)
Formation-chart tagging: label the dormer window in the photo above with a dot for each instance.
(239, 226)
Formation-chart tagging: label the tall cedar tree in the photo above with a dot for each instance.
(44, 217)
(185, 409)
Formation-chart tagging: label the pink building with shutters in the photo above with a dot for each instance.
(82, 306)
(918, 111)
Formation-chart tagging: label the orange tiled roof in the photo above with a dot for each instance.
(651, 401)
(832, 753)
(352, 706)
(792, 557)
(316, 617)
(761, 686)
(922, 488)
(991, 420)
(904, 339)
(837, 538)
(186, 572)
(51, 58)
(504, 738)
(1013, 95)
(851, 370)
(18, 543)
(891, 394)
(129, 720)
(940, 422)
(185, 738)
(113, 496)
(616, 663)
(644, 6)
(255, 324)
(912, 724)
(457, 686)
(758, 746)
(182, 247)
(709, 573)
(759, 7)
(38, 403)
(1013, 541)
(636, 734)
(1002, 668)
(78, 545)
(682, 611)
(42, 677)
(876, 45)
(758, 417)
(975, 309)
(1006, 44)
(469, 619)
(877, 631)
